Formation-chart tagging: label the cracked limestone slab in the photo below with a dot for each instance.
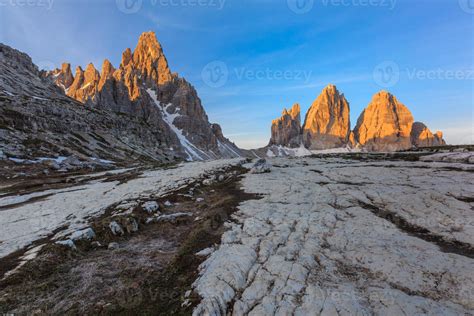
(341, 237)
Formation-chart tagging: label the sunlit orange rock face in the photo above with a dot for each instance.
(327, 124)
(286, 130)
(63, 77)
(143, 86)
(147, 64)
(385, 125)
(149, 60)
(421, 136)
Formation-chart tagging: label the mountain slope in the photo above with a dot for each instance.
(138, 111)
(38, 120)
(144, 86)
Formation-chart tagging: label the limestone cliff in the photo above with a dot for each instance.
(385, 125)
(286, 130)
(144, 86)
(327, 123)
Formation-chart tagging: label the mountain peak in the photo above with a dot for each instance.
(150, 60)
(107, 67)
(330, 87)
(66, 67)
(295, 111)
(126, 57)
(286, 130)
(327, 123)
(383, 94)
(385, 125)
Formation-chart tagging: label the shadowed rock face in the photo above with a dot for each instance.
(385, 125)
(421, 136)
(144, 86)
(63, 77)
(286, 131)
(38, 120)
(327, 124)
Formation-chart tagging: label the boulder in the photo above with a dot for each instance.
(261, 166)
(150, 207)
(84, 234)
(116, 229)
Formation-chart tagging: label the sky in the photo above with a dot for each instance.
(249, 59)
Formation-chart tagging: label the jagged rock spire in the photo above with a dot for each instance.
(150, 60)
(327, 123)
(286, 130)
(126, 58)
(385, 125)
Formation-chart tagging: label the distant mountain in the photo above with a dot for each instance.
(385, 125)
(138, 111)
(327, 124)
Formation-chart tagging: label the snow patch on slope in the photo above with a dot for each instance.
(189, 148)
(280, 151)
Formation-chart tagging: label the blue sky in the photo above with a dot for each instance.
(268, 54)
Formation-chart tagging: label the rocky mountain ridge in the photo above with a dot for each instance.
(38, 120)
(144, 86)
(385, 125)
(142, 89)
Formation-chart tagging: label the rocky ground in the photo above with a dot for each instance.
(339, 236)
(349, 234)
